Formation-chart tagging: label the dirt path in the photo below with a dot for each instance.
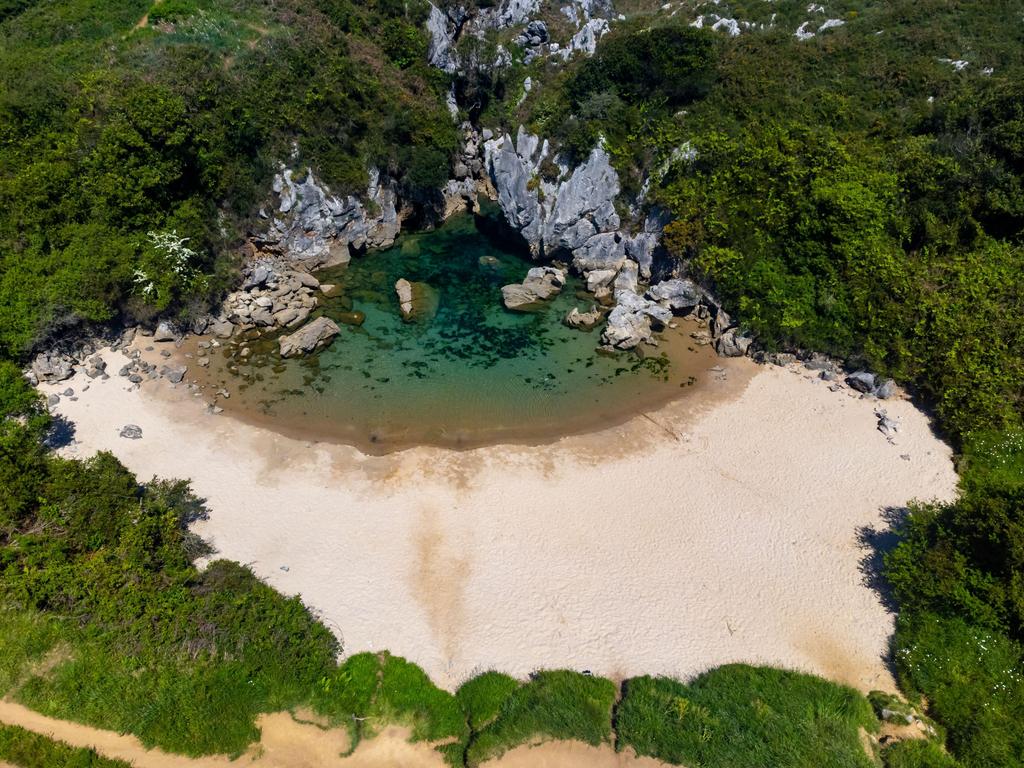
(287, 743)
(144, 21)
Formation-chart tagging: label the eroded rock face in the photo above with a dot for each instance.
(316, 229)
(441, 50)
(553, 214)
(312, 336)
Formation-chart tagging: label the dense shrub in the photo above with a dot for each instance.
(740, 715)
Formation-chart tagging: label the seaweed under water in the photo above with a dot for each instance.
(464, 371)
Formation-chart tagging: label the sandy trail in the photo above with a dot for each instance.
(668, 545)
(287, 743)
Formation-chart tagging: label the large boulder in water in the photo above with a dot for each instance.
(415, 300)
(308, 338)
(541, 284)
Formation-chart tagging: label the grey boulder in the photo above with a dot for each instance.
(165, 332)
(541, 284)
(680, 295)
(131, 431)
(308, 338)
(862, 381)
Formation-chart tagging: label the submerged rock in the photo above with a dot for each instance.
(583, 321)
(404, 290)
(312, 336)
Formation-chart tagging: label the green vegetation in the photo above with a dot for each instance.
(111, 129)
(552, 705)
(30, 750)
(853, 193)
(740, 715)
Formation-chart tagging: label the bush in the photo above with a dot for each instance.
(965, 559)
(552, 705)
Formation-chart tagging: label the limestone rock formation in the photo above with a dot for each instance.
(315, 229)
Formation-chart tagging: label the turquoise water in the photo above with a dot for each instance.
(466, 371)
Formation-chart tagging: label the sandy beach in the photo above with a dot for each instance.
(717, 529)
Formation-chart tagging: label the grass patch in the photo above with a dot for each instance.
(370, 691)
(739, 715)
(30, 750)
(553, 705)
(917, 753)
(481, 698)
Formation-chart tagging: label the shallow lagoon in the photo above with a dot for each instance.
(465, 372)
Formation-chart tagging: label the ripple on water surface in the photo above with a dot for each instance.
(465, 372)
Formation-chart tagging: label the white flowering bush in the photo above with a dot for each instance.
(167, 268)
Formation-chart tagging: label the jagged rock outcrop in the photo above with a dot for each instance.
(310, 337)
(633, 320)
(554, 209)
(443, 31)
(315, 229)
(541, 284)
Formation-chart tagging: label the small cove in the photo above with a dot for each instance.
(465, 372)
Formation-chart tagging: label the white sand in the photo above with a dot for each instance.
(668, 545)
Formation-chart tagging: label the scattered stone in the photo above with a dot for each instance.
(69, 392)
(165, 353)
(175, 375)
(131, 432)
(135, 378)
(313, 335)
(53, 400)
(680, 295)
(886, 425)
(52, 367)
(95, 367)
(404, 290)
